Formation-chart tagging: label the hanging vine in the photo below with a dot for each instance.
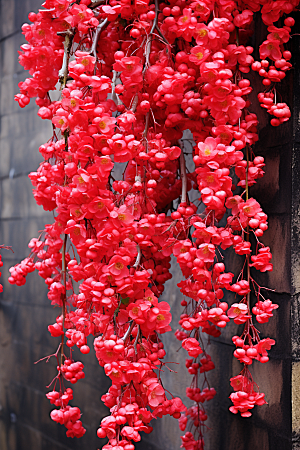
(133, 77)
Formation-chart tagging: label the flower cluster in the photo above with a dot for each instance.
(72, 371)
(244, 397)
(66, 415)
(1, 263)
(133, 77)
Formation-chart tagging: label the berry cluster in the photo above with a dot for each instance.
(66, 415)
(72, 371)
(1, 263)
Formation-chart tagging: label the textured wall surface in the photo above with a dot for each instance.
(25, 312)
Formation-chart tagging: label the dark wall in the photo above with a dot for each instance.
(25, 312)
(276, 425)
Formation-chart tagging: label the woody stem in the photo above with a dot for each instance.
(63, 73)
(247, 234)
(96, 37)
(138, 258)
(64, 274)
(183, 177)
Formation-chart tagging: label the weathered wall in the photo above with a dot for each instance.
(25, 312)
(295, 245)
(276, 425)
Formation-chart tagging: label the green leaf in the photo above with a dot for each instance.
(125, 300)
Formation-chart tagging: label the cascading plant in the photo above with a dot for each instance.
(133, 76)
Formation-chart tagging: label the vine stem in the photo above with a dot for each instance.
(183, 177)
(96, 3)
(247, 171)
(146, 125)
(138, 258)
(155, 25)
(64, 274)
(129, 330)
(115, 96)
(149, 38)
(247, 234)
(96, 37)
(155, 20)
(63, 73)
(134, 103)
(136, 340)
(237, 36)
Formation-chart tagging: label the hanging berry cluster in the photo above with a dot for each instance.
(134, 75)
(1, 262)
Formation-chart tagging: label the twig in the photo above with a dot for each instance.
(237, 36)
(64, 273)
(7, 247)
(127, 334)
(63, 73)
(96, 3)
(145, 133)
(149, 37)
(138, 258)
(155, 25)
(115, 96)
(247, 170)
(146, 126)
(49, 356)
(96, 37)
(113, 81)
(173, 224)
(134, 103)
(183, 177)
(247, 235)
(136, 340)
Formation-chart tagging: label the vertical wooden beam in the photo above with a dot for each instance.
(295, 242)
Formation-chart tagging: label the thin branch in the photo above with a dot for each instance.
(183, 177)
(7, 247)
(237, 36)
(115, 96)
(149, 37)
(146, 125)
(96, 3)
(155, 25)
(129, 330)
(134, 103)
(247, 171)
(138, 258)
(96, 37)
(63, 73)
(64, 274)
(136, 340)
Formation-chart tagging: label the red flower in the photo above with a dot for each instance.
(192, 346)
